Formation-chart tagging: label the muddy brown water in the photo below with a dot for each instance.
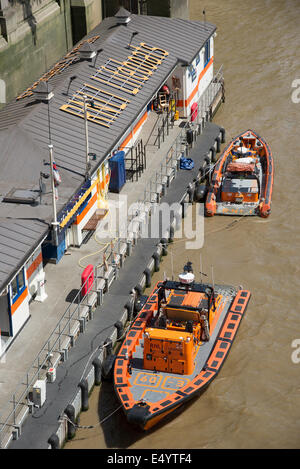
(255, 400)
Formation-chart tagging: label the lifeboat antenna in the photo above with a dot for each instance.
(212, 277)
(201, 268)
(172, 267)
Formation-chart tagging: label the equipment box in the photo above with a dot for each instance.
(118, 171)
(168, 351)
(39, 392)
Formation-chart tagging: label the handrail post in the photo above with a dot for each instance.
(167, 121)
(14, 407)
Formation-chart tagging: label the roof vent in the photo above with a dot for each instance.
(43, 91)
(123, 16)
(86, 51)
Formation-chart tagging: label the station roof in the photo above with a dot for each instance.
(27, 125)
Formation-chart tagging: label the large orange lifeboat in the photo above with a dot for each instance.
(242, 180)
(176, 346)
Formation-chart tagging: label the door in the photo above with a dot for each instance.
(5, 320)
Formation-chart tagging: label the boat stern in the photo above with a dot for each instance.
(224, 208)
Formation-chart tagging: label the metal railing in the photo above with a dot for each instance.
(164, 124)
(58, 341)
(205, 104)
(72, 315)
(181, 146)
(135, 161)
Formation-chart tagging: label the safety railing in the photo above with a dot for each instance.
(59, 340)
(206, 102)
(167, 170)
(72, 315)
(164, 125)
(181, 146)
(135, 161)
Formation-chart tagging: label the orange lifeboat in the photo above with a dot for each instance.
(242, 180)
(176, 346)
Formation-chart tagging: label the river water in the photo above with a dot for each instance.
(255, 400)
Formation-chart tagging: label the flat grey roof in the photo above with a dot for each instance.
(24, 123)
(18, 239)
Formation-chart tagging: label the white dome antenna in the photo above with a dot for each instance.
(186, 278)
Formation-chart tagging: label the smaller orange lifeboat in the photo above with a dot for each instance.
(242, 180)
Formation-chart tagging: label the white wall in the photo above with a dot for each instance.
(20, 316)
(195, 83)
(36, 274)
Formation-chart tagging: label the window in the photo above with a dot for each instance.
(207, 53)
(197, 59)
(14, 287)
(192, 72)
(18, 285)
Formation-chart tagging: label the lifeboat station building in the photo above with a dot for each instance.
(85, 108)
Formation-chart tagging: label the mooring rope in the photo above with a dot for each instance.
(88, 427)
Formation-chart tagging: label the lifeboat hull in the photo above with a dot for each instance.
(226, 194)
(149, 394)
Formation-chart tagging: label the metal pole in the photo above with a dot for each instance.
(86, 138)
(14, 406)
(54, 223)
(201, 268)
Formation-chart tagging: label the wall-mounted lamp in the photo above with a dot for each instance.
(97, 53)
(132, 36)
(73, 77)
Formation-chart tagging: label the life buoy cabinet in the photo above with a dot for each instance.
(87, 280)
(194, 111)
(56, 176)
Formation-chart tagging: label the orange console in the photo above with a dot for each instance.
(170, 351)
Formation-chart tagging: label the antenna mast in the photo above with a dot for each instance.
(212, 277)
(201, 268)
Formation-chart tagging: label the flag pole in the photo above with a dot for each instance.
(54, 223)
(50, 146)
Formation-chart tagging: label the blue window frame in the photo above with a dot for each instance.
(207, 53)
(197, 59)
(192, 72)
(18, 285)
